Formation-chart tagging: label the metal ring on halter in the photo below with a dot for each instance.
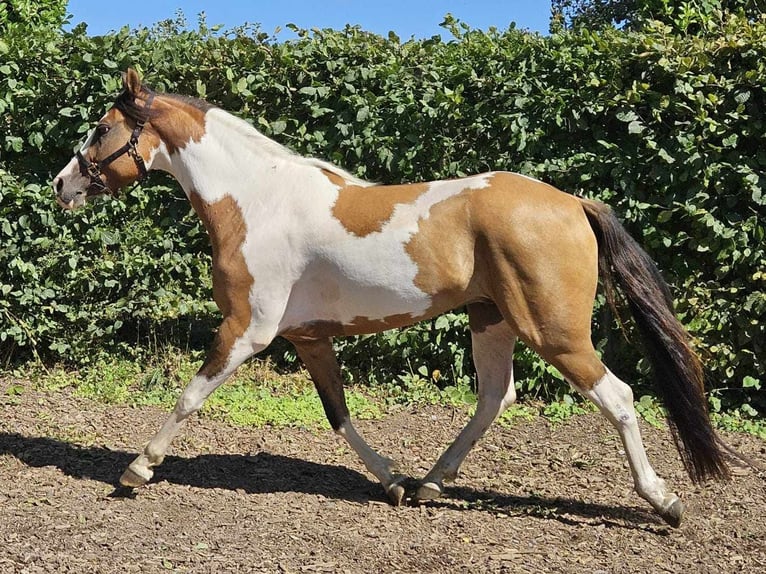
(92, 170)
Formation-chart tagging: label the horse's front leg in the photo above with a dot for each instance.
(228, 353)
(319, 358)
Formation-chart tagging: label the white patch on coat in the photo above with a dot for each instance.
(306, 266)
(371, 276)
(159, 158)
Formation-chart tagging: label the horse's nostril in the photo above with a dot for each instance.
(58, 184)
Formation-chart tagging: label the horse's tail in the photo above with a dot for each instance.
(677, 369)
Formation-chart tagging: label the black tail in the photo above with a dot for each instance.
(677, 369)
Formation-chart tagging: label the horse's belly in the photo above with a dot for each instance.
(350, 296)
(420, 263)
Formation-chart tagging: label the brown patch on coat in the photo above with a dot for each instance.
(334, 178)
(529, 248)
(365, 210)
(322, 329)
(232, 280)
(178, 120)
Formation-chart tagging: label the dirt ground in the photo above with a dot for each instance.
(532, 498)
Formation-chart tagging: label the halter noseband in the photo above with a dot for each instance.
(92, 170)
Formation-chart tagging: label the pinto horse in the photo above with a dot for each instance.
(304, 250)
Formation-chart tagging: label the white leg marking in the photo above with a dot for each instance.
(381, 467)
(191, 400)
(615, 399)
(493, 357)
(378, 465)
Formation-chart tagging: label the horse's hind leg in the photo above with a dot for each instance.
(615, 400)
(493, 341)
(319, 358)
(583, 370)
(544, 283)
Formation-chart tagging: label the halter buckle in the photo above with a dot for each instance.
(94, 170)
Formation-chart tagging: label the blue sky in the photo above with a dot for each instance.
(418, 18)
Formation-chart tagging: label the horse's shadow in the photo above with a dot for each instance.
(254, 474)
(568, 511)
(269, 473)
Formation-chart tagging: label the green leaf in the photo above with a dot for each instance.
(749, 382)
(14, 390)
(666, 156)
(362, 114)
(749, 410)
(664, 216)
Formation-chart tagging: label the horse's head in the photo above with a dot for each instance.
(116, 153)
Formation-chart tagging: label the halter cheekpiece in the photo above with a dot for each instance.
(92, 170)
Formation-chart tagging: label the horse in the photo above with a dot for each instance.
(304, 250)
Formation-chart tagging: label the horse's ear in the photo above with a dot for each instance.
(131, 82)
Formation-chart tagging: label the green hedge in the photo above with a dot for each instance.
(666, 126)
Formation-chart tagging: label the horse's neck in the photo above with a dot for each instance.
(230, 159)
(233, 166)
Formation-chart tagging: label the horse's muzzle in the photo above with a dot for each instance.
(67, 198)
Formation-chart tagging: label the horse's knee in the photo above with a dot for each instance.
(337, 416)
(192, 398)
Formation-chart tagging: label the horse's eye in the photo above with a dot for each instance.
(101, 130)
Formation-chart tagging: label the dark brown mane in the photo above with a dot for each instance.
(126, 103)
(194, 102)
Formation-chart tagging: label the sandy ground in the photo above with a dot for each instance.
(531, 498)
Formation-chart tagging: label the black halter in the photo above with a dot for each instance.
(92, 170)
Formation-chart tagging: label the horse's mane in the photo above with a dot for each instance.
(126, 103)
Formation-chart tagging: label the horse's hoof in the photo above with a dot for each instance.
(135, 477)
(428, 491)
(396, 491)
(674, 513)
